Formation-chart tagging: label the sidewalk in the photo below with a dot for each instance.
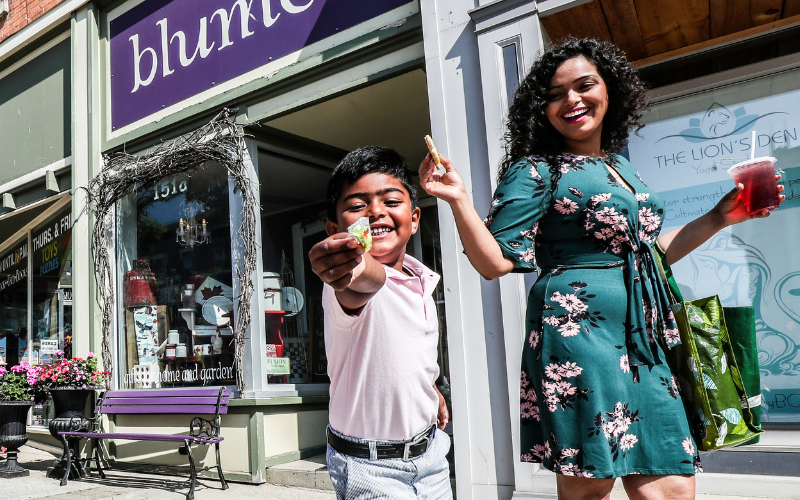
(300, 480)
(121, 485)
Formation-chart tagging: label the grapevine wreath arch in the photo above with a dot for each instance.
(221, 141)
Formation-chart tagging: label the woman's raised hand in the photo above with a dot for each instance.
(447, 186)
(731, 209)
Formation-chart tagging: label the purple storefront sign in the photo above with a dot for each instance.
(163, 51)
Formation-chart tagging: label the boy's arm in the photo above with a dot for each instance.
(340, 262)
(368, 277)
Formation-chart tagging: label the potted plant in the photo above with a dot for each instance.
(20, 389)
(70, 382)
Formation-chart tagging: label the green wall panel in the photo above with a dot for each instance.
(35, 114)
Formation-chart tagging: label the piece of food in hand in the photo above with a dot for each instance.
(361, 231)
(434, 152)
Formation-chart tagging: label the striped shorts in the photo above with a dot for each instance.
(425, 477)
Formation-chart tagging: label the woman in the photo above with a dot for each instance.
(597, 398)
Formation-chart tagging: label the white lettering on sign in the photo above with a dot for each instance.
(225, 17)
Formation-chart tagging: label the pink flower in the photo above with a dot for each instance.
(569, 452)
(533, 340)
(623, 363)
(566, 206)
(627, 441)
(569, 329)
(688, 446)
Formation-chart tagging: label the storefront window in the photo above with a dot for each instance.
(51, 275)
(293, 214)
(683, 154)
(176, 288)
(14, 303)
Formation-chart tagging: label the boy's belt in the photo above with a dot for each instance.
(406, 450)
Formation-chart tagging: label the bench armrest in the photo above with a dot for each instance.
(200, 427)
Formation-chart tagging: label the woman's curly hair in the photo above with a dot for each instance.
(529, 130)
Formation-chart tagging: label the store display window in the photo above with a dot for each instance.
(51, 275)
(175, 282)
(14, 303)
(293, 221)
(684, 153)
(51, 286)
(292, 208)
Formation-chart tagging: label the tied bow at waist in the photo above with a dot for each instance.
(648, 309)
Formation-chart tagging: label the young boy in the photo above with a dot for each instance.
(381, 335)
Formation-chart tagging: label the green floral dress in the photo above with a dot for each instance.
(597, 397)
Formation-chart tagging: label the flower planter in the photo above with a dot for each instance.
(13, 418)
(69, 405)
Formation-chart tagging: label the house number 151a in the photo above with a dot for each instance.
(167, 189)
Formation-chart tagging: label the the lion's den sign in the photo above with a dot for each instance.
(163, 51)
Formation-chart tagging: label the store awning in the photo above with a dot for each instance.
(651, 31)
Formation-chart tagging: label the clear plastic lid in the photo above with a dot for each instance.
(754, 161)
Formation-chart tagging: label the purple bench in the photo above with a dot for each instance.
(207, 401)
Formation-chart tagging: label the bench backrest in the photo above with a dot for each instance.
(177, 401)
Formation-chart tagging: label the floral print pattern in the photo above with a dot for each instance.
(587, 336)
(614, 425)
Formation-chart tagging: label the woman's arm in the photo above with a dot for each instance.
(480, 246)
(730, 210)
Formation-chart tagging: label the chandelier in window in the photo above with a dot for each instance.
(190, 233)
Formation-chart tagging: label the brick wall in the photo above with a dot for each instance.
(22, 13)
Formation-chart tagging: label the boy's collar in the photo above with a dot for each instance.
(419, 270)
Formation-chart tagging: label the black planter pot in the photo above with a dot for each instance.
(69, 406)
(13, 434)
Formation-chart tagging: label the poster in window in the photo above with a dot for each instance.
(683, 154)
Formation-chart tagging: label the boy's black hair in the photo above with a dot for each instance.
(363, 161)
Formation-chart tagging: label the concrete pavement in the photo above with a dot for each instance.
(121, 485)
(299, 480)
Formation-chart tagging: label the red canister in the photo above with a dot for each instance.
(139, 285)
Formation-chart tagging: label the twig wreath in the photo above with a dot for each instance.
(220, 141)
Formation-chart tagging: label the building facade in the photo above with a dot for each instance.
(307, 81)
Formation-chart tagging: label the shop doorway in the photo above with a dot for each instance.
(297, 152)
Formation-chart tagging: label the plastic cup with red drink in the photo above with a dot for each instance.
(760, 186)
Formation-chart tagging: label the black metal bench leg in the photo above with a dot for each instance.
(97, 458)
(219, 469)
(193, 473)
(68, 468)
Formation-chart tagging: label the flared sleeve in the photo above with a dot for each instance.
(519, 202)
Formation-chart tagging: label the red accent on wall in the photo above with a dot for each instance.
(22, 13)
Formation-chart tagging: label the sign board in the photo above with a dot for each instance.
(51, 245)
(278, 366)
(163, 51)
(683, 154)
(48, 347)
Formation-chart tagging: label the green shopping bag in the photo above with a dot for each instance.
(706, 365)
(741, 322)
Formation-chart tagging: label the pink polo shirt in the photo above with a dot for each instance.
(382, 363)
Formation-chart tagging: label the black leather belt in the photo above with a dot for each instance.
(407, 450)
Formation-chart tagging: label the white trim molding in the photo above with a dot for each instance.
(39, 27)
(38, 174)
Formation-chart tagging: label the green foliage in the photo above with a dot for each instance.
(21, 383)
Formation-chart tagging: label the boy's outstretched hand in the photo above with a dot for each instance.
(335, 258)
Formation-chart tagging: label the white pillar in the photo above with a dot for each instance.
(481, 423)
(86, 163)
